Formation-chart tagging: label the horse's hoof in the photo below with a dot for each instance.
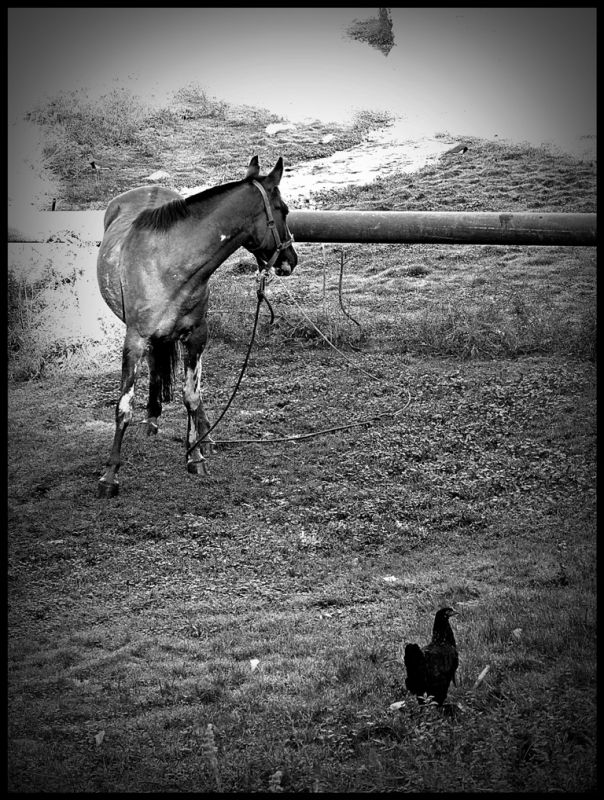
(152, 428)
(107, 489)
(197, 467)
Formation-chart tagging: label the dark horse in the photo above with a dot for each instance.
(155, 261)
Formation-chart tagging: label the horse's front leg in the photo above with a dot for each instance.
(134, 347)
(197, 421)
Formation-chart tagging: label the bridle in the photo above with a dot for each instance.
(266, 266)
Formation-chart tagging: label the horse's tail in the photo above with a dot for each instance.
(165, 361)
(110, 214)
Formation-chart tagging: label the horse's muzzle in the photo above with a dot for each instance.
(287, 262)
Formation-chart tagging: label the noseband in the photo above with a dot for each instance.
(271, 227)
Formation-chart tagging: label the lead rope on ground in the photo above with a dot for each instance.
(296, 437)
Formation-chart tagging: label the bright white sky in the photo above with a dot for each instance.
(525, 74)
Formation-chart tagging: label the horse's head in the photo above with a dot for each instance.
(272, 242)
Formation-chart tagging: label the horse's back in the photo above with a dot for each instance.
(119, 216)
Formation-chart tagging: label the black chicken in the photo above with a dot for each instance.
(431, 669)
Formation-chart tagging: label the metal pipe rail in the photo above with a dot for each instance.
(444, 227)
(381, 227)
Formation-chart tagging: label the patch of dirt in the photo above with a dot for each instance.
(381, 155)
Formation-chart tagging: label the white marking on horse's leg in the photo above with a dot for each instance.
(191, 395)
(125, 404)
(198, 377)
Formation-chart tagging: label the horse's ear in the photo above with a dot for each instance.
(253, 169)
(273, 178)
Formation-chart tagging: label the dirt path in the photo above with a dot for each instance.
(379, 156)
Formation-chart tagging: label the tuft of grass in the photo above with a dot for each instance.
(365, 120)
(196, 104)
(114, 118)
(494, 330)
(78, 129)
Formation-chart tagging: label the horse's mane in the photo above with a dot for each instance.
(163, 217)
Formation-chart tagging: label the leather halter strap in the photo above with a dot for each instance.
(271, 227)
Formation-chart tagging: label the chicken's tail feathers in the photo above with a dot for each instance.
(415, 666)
(413, 655)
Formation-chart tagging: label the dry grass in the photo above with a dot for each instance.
(194, 139)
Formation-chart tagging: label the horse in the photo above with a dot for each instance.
(155, 261)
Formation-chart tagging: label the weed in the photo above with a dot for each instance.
(210, 753)
(274, 785)
(196, 104)
(366, 120)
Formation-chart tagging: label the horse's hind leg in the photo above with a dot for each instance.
(134, 347)
(161, 359)
(154, 402)
(197, 421)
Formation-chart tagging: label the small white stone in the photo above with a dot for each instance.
(157, 176)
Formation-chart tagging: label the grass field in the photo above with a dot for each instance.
(244, 631)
